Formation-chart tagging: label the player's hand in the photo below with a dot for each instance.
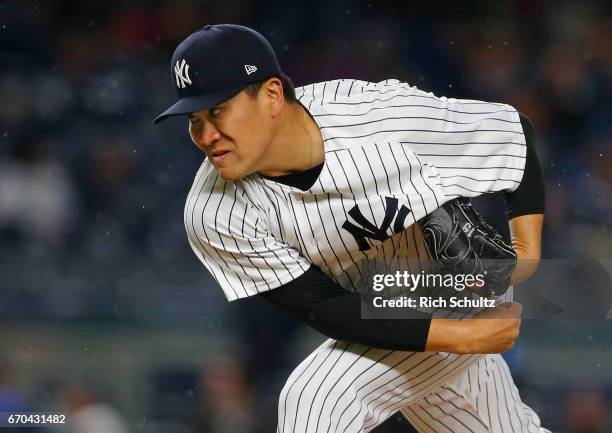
(493, 330)
(505, 310)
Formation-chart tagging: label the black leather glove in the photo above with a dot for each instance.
(462, 242)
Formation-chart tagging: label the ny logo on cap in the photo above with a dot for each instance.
(182, 74)
(250, 69)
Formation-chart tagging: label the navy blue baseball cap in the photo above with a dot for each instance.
(215, 63)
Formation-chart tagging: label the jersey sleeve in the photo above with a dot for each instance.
(474, 147)
(228, 234)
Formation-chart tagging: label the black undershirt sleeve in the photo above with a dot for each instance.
(529, 197)
(317, 300)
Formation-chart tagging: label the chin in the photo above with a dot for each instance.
(234, 171)
(228, 174)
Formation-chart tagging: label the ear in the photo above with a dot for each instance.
(272, 91)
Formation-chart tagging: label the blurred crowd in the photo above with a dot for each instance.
(85, 174)
(92, 195)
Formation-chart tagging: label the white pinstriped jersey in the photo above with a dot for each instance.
(393, 154)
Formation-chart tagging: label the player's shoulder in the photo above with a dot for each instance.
(343, 90)
(205, 180)
(352, 95)
(326, 91)
(210, 192)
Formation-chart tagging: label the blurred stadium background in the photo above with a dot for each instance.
(105, 313)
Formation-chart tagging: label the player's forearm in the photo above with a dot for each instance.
(465, 337)
(447, 335)
(453, 336)
(493, 330)
(525, 209)
(316, 300)
(526, 235)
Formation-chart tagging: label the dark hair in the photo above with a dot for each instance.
(288, 89)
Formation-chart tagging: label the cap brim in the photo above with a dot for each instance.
(198, 103)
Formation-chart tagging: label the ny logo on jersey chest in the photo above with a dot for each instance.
(369, 230)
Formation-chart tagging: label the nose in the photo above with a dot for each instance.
(209, 136)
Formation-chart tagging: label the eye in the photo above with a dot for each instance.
(215, 111)
(192, 119)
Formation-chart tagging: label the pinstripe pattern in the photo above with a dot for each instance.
(484, 399)
(387, 146)
(351, 388)
(381, 140)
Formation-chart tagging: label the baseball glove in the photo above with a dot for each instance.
(462, 242)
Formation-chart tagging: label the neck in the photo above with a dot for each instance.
(297, 144)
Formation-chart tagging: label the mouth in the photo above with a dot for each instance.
(219, 155)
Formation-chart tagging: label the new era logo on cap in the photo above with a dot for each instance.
(250, 69)
(182, 74)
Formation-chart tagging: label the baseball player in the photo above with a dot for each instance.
(302, 190)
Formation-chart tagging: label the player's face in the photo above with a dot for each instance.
(234, 135)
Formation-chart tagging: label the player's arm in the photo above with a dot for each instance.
(322, 304)
(494, 330)
(525, 210)
(526, 234)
